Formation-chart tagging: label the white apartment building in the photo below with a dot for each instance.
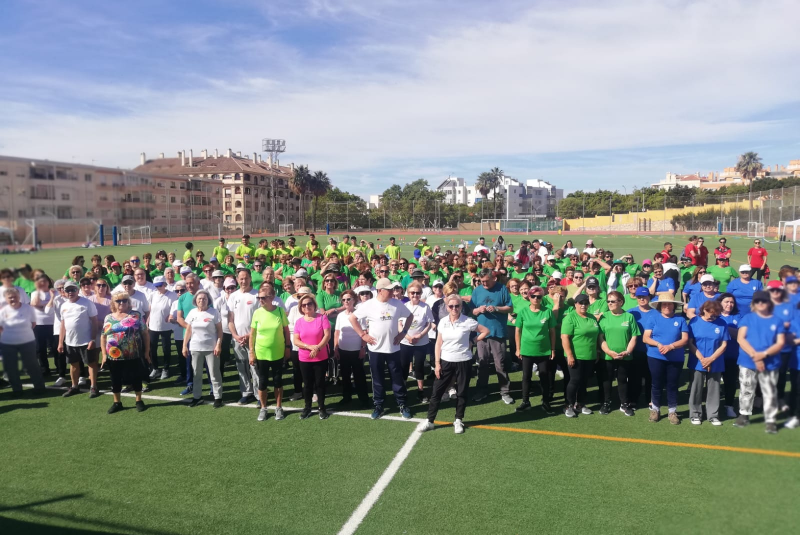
(536, 198)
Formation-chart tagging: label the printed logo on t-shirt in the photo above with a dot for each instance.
(716, 330)
(772, 327)
(675, 324)
(754, 287)
(250, 303)
(625, 323)
(736, 322)
(206, 320)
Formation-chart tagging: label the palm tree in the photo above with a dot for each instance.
(749, 165)
(485, 184)
(319, 185)
(498, 174)
(299, 184)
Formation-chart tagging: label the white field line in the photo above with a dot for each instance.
(249, 405)
(375, 492)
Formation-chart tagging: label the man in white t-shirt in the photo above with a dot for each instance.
(79, 326)
(141, 282)
(161, 300)
(383, 336)
(481, 247)
(139, 300)
(241, 306)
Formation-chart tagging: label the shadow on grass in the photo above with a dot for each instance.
(22, 406)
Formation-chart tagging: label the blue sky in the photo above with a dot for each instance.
(582, 93)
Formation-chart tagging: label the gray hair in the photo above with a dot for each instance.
(486, 272)
(11, 291)
(191, 276)
(198, 294)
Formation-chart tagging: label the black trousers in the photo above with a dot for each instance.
(547, 373)
(622, 370)
(731, 378)
(181, 358)
(560, 362)
(297, 375)
(165, 337)
(47, 342)
(225, 351)
(578, 378)
(511, 338)
(314, 379)
(461, 372)
(351, 363)
(125, 372)
(641, 370)
(757, 273)
(794, 402)
(417, 355)
(783, 375)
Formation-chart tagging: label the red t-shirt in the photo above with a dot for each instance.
(703, 251)
(758, 257)
(664, 256)
(687, 253)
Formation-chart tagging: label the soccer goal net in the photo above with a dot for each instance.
(489, 226)
(135, 235)
(285, 229)
(755, 229)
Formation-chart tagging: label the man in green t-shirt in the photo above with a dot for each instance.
(220, 251)
(293, 249)
(187, 254)
(424, 249)
(269, 349)
(245, 248)
(392, 250)
(343, 247)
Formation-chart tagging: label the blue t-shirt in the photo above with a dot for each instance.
(498, 296)
(785, 312)
(743, 292)
(692, 289)
(699, 299)
(794, 299)
(666, 331)
(794, 358)
(665, 284)
(761, 334)
(732, 321)
(643, 320)
(708, 336)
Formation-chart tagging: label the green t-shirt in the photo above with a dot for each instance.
(564, 310)
(584, 333)
(113, 279)
(329, 250)
(602, 278)
(393, 252)
(156, 273)
(187, 254)
(243, 250)
(256, 278)
(598, 307)
(465, 291)
(548, 270)
(632, 269)
(686, 275)
(630, 302)
(227, 269)
(342, 249)
(295, 251)
(618, 331)
(520, 274)
(220, 253)
(267, 252)
(28, 285)
(722, 274)
(517, 303)
(425, 250)
(535, 331)
(326, 301)
(270, 341)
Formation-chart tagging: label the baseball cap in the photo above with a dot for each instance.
(384, 284)
(551, 257)
(303, 290)
(437, 283)
(396, 284)
(363, 289)
(581, 298)
(113, 264)
(775, 284)
(417, 273)
(301, 273)
(217, 273)
(159, 281)
(185, 270)
(709, 278)
(791, 278)
(745, 267)
(70, 284)
(761, 295)
(424, 238)
(228, 283)
(213, 259)
(589, 242)
(177, 263)
(461, 246)
(641, 291)
(241, 266)
(127, 278)
(59, 283)
(557, 275)
(592, 281)
(685, 259)
(647, 262)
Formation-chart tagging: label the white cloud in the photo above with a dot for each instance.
(558, 77)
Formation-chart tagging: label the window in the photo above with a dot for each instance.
(87, 177)
(3, 173)
(65, 196)
(238, 217)
(227, 219)
(163, 198)
(4, 214)
(237, 190)
(172, 200)
(227, 206)
(89, 214)
(247, 191)
(238, 204)
(280, 206)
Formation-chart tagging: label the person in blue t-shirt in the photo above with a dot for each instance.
(794, 371)
(731, 316)
(708, 335)
(642, 314)
(666, 335)
(658, 283)
(744, 287)
(761, 338)
(708, 292)
(785, 311)
(491, 304)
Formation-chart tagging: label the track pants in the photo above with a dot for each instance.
(461, 372)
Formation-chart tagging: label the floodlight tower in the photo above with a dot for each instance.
(273, 147)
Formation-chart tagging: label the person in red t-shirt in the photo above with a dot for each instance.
(691, 251)
(723, 251)
(665, 254)
(702, 252)
(757, 258)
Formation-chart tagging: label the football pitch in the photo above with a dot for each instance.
(70, 468)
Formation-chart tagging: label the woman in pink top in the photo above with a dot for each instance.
(312, 332)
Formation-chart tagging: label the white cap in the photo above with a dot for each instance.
(589, 241)
(119, 290)
(159, 281)
(424, 238)
(706, 278)
(185, 270)
(301, 273)
(551, 257)
(362, 289)
(229, 282)
(745, 267)
(177, 264)
(437, 282)
(557, 275)
(461, 246)
(217, 273)
(241, 266)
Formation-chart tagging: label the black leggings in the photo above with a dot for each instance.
(125, 372)
(757, 273)
(181, 358)
(351, 363)
(578, 377)
(560, 362)
(547, 372)
(297, 375)
(794, 401)
(622, 370)
(166, 347)
(47, 341)
(417, 355)
(314, 379)
(641, 370)
(782, 375)
(731, 378)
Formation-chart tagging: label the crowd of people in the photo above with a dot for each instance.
(425, 319)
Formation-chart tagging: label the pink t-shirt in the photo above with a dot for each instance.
(311, 333)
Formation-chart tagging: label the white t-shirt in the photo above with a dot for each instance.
(77, 318)
(147, 288)
(44, 315)
(422, 317)
(140, 303)
(569, 251)
(543, 254)
(17, 324)
(160, 305)
(383, 322)
(432, 302)
(177, 330)
(591, 250)
(23, 296)
(293, 315)
(204, 329)
(348, 339)
(55, 305)
(221, 304)
(479, 248)
(243, 305)
(455, 338)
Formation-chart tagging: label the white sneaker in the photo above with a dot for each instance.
(715, 421)
(559, 374)
(82, 381)
(696, 421)
(793, 423)
(729, 412)
(427, 426)
(262, 415)
(508, 400)
(453, 393)
(782, 406)
(154, 374)
(59, 382)
(535, 368)
(314, 398)
(164, 374)
(458, 427)
(586, 410)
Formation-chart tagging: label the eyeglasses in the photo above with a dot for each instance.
(535, 296)
(102, 285)
(180, 290)
(71, 290)
(121, 301)
(453, 307)
(346, 300)
(127, 283)
(613, 301)
(309, 305)
(330, 280)
(383, 271)
(227, 288)
(412, 293)
(630, 286)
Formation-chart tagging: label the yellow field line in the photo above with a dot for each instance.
(752, 451)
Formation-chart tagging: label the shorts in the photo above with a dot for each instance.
(266, 367)
(76, 354)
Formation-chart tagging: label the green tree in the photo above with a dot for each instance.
(749, 165)
(299, 183)
(498, 174)
(319, 185)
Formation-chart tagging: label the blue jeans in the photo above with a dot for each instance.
(378, 362)
(664, 371)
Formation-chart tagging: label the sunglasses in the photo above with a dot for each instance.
(453, 307)
(309, 305)
(102, 285)
(120, 301)
(535, 296)
(330, 280)
(71, 290)
(179, 291)
(263, 297)
(227, 288)
(127, 283)
(134, 261)
(612, 301)
(760, 301)
(631, 286)
(346, 300)
(412, 293)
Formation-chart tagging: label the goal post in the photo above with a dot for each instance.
(285, 229)
(755, 229)
(135, 235)
(505, 226)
